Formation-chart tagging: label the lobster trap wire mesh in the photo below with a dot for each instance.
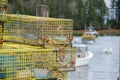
(67, 62)
(3, 5)
(26, 63)
(30, 29)
(1, 33)
(13, 63)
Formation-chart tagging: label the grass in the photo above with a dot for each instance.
(101, 32)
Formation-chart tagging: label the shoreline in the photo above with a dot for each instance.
(101, 32)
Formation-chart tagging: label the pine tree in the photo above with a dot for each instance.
(96, 10)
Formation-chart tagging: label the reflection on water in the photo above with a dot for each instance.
(102, 66)
(79, 74)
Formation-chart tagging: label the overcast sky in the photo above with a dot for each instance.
(108, 3)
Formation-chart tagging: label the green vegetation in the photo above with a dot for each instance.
(114, 23)
(118, 13)
(83, 12)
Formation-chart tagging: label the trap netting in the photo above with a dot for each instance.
(66, 59)
(32, 30)
(1, 33)
(27, 63)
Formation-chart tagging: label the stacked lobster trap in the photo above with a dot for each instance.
(36, 48)
(27, 62)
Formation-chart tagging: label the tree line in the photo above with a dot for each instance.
(83, 12)
(117, 8)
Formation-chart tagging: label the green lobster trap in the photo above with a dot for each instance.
(32, 30)
(27, 63)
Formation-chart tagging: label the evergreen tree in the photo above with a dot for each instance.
(95, 12)
(118, 11)
(81, 11)
(116, 22)
(81, 18)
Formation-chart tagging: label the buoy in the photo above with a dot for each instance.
(108, 50)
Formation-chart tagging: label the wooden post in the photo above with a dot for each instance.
(42, 10)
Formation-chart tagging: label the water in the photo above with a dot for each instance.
(102, 66)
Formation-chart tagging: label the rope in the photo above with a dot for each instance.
(61, 49)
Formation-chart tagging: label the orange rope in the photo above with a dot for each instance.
(61, 49)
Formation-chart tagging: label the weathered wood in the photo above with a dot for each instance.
(42, 10)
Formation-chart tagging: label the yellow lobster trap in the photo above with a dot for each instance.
(3, 6)
(27, 63)
(66, 61)
(46, 61)
(1, 33)
(33, 30)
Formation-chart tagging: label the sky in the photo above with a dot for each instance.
(111, 12)
(108, 3)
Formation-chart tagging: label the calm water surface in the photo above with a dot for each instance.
(102, 66)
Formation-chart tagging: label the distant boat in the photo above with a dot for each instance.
(108, 50)
(90, 35)
(83, 56)
(91, 30)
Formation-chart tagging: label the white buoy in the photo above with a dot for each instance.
(108, 50)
